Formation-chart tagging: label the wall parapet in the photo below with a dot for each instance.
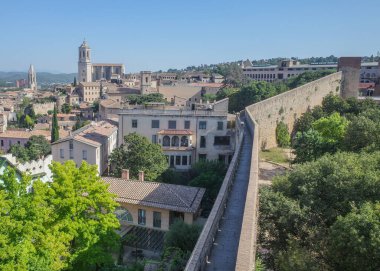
(202, 249)
(246, 254)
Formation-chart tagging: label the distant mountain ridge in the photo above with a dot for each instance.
(43, 78)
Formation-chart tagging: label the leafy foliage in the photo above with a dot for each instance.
(59, 225)
(282, 135)
(142, 99)
(139, 154)
(209, 175)
(36, 148)
(306, 216)
(66, 108)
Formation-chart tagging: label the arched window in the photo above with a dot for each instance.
(166, 141)
(123, 215)
(175, 141)
(184, 141)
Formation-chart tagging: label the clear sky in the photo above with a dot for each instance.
(162, 34)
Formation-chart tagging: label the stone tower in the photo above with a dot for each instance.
(145, 81)
(350, 68)
(32, 80)
(84, 63)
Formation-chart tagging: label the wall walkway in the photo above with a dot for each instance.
(225, 248)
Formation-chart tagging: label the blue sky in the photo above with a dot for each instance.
(153, 35)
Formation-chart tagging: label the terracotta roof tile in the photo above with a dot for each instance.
(160, 195)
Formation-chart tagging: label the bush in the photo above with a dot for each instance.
(282, 135)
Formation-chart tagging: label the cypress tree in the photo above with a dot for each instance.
(54, 128)
(75, 81)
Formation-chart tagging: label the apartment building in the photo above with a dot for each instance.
(92, 143)
(186, 134)
(153, 205)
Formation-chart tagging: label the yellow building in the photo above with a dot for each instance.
(154, 205)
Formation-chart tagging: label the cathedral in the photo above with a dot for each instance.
(91, 72)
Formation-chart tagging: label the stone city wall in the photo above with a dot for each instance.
(43, 109)
(289, 106)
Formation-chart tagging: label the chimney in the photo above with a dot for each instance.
(125, 174)
(141, 176)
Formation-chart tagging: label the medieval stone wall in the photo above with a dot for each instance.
(289, 106)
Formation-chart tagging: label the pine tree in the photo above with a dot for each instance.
(54, 128)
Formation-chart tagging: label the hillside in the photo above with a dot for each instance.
(43, 78)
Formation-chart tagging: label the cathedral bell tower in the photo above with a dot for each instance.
(84, 63)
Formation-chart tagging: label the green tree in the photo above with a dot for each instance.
(137, 153)
(20, 152)
(308, 146)
(362, 132)
(80, 123)
(29, 241)
(66, 108)
(282, 134)
(354, 240)
(29, 123)
(38, 147)
(182, 235)
(332, 129)
(84, 210)
(55, 128)
(75, 81)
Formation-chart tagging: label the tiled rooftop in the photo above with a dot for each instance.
(159, 195)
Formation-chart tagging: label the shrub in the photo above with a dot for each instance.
(282, 135)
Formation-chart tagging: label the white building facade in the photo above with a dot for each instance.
(186, 136)
(92, 143)
(290, 68)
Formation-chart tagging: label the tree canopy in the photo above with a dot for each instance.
(37, 147)
(137, 153)
(56, 225)
(301, 209)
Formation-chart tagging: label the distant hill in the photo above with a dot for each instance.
(43, 78)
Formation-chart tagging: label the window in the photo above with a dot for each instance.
(175, 141)
(172, 124)
(134, 123)
(202, 157)
(189, 159)
(84, 154)
(71, 153)
(184, 141)
(184, 160)
(166, 141)
(222, 140)
(2, 143)
(61, 153)
(220, 125)
(71, 145)
(154, 139)
(155, 124)
(203, 142)
(187, 124)
(141, 217)
(202, 125)
(178, 160)
(18, 142)
(156, 219)
(123, 215)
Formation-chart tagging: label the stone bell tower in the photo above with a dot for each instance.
(32, 80)
(84, 63)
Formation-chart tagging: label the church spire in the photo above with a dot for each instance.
(32, 80)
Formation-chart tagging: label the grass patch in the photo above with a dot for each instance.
(276, 155)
